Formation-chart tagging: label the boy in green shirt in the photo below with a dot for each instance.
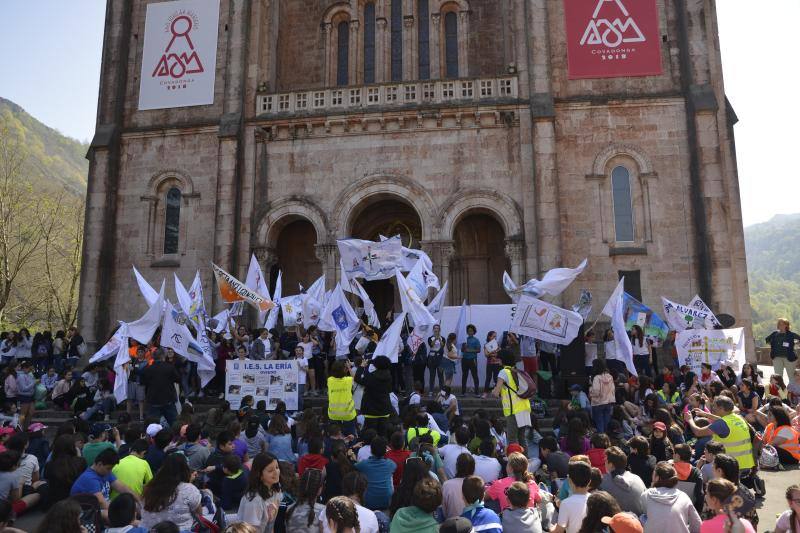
(98, 442)
(133, 470)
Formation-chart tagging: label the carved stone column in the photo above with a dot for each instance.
(381, 49)
(409, 46)
(515, 251)
(267, 257)
(440, 252)
(328, 255)
(328, 66)
(354, 63)
(435, 46)
(463, 42)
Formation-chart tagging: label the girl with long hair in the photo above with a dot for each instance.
(491, 349)
(63, 517)
(342, 515)
(642, 351)
(337, 469)
(668, 507)
(279, 439)
(304, 514)
(64, 468)
(451, 356)
(575, 441)
(789, 521)
(415, 469)
(516, 470)
(261, 500)
(599, 504)
(170, 495)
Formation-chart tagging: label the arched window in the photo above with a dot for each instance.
(451, 45)
(172, 221)
(423, 16)
(369, 43)
(343, 53)
(623, 206)
(397, 40)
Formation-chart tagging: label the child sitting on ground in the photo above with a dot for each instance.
(640, 462)
(519, 518)
(122, 516)
(482, 518)
(597, 453)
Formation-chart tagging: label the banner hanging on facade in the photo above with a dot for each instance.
(612, 38)
(179, 59)
(271, 381)
(712, 346)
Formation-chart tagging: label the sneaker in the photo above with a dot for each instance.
(483, 396)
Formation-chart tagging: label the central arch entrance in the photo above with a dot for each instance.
(386, 215)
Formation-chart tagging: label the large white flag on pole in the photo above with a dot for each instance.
(695, 315)
(420, 333)
(145, 327)
(461, 326)
(422, 278)
(410, 256)
(176, 335)
(615, 309)
(255, 280)
(339, 317)
(389, 345)
(370, 260)
(354, 287)
(553, 282)
(122, 358)
(412, 304)
(313, 302)
(147, 290)
(272, 318)
(184, 300)
(117, 341)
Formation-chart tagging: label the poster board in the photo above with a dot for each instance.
(271, 381)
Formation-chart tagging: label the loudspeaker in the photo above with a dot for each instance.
(573, 357)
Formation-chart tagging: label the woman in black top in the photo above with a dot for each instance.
(781, 351)
(375, 404)
(63, 469)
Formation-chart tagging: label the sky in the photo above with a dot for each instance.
(50, 53)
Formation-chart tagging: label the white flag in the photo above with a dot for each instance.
(369, 307)
(184, 300)
(272, 318)
(615, 309)
(461, 326)
(221, 320)
(544, 321)
(340, 317)
(410, 256)
(123, 358)
(389, 345)
(696, 315)
(117, 341)
(143, 329)
(510, 287)
(553, 282)
(176, 335)
(292, 310)
(147, 290)
(368, 259)
(255, 280)
(436, 308)
(412, 304)
(421, 278)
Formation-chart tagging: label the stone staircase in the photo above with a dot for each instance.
(467, 404)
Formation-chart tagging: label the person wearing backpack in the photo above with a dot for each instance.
(516, 409)
(602, 395)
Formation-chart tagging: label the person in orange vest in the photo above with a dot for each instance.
(780, 434)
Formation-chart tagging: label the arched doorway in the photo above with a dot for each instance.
(297, 257)
(385, 215)
(476, 270)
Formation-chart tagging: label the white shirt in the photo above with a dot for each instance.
(29, 465)
(450, 453)
(572, 512)
(414, 399)
(644, 349)
(395, 403)
(302, 370)
(487, 468)
(591, 354)
(447, 402)
(611, 350)
(364, 453)
(366, 520)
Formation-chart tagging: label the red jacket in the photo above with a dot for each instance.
(311, 460)
(398, 457)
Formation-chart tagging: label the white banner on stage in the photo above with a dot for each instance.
(271, 381)
(179, 59)
(712, 346)
(545, 321)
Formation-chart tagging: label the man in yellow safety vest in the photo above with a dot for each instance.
(516, 410)
(727, 428)
(341, 408)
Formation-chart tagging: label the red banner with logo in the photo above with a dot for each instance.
(612, 38)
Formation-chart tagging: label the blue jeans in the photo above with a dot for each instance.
(106, 405)
(168, 411)
(601, 415)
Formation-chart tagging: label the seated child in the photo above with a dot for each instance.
(482, 518)
(519, 518)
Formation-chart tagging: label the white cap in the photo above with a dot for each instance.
(152, 429)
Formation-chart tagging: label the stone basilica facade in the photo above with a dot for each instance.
(451, 122)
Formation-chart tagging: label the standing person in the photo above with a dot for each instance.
(262, 347)
(419, 363)
(311, 377)
(602, 395)
(516, 410)
(263, 496)
(449, 360)
(436, 346)
(159, 381)
(341, 407)
(530, 359)
(469, 360)
(375, 404)
(491, 350)
(642, 351)
(781, 343)
(10, 382)
(547, 356)
(302, 373)
(59, 350)
(76, 347)
(26, 385)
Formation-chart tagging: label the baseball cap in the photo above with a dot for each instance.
(623, 523)
(457, 524)
(575, 387)
(97, 429)
(152, 429)
(36, 426)
(514, 448)
(660, 426)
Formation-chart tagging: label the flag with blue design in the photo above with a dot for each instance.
(636, 313)
(340, 317)
(369, 259)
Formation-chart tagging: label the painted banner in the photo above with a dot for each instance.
(696, 315)
(370, 260)
(544, 321)
(179, 59)
(232, 290)
(612, 38)
(636, 313)
(271, 381)
(712, 346)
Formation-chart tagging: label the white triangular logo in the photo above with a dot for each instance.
(612, 33)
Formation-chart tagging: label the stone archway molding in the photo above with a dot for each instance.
(381, 186)
(501, 206)
(614, 150)
(285, 211)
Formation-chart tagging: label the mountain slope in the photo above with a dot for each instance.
(773, 267)
(58, 160)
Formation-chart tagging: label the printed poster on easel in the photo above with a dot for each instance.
(271, 381)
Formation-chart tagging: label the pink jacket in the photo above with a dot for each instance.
(602, 391)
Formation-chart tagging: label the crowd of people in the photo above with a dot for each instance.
(669, 449)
